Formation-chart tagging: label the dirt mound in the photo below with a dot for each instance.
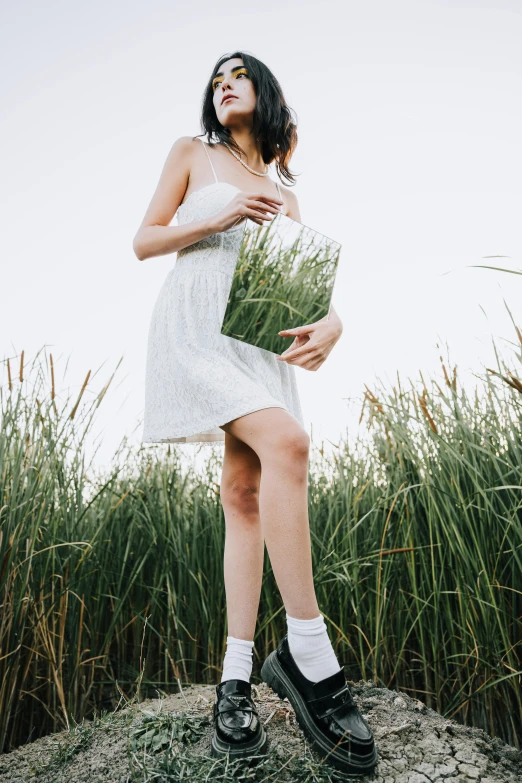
(168, 739)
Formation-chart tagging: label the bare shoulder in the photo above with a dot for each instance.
(184, 141)
(291, 203)
(182, 148)
(184, 156)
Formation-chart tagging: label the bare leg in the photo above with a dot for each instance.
(244, 544)
(282, 447)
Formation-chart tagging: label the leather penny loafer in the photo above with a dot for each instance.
(237, 728)
(325, 710)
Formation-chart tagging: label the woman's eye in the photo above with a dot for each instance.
(217, 82)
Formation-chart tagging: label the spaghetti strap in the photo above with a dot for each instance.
(279, 190)
(208, 156)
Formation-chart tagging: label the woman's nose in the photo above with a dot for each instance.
(225, 85)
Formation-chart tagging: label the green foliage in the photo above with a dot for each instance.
(111, 585)
(182, 765)
(159, 731)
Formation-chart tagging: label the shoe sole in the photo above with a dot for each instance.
(275, 676)
(253, 748)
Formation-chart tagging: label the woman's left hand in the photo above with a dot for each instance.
(313, 342)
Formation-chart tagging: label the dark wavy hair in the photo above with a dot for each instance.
(274, 122)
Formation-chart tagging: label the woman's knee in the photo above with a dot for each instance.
(290, 447)
(240, 494)
(274, 436)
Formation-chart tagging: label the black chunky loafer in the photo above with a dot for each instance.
(325, 711)
(237, 728)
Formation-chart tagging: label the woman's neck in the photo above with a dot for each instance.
(251, 147)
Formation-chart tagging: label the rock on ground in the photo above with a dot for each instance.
(415, 744)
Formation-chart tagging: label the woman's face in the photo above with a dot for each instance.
(234, 94)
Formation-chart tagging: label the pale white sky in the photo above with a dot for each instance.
(409, 155)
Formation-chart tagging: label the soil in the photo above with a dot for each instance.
(415, 744)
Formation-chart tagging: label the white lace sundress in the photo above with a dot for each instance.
(197, 379)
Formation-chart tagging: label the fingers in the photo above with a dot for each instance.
(258, 204)
(304, 351)
(259, 208)
(297, 330)
(265, 202)
(304, 360)
(263, 197)
(259, 214)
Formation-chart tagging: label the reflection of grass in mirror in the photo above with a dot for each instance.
(279, 284)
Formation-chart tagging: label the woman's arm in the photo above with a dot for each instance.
(313, 342)
(155, 237)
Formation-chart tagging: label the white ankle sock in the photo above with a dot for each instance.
(311, 648)
(237, 664)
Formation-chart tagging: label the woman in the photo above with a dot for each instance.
(204, 386)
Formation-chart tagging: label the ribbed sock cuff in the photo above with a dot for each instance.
(238, 659)
(311, 627)
(246, 642)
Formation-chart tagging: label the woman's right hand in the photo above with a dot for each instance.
(255, 206)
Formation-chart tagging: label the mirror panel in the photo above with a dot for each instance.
(284, 277)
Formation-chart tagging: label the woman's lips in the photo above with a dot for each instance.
(229, 98)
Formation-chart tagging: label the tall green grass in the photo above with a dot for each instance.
(284, 277)
(111, 584)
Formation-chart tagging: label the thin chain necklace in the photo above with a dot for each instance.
(234, 153)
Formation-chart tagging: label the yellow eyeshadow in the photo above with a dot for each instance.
(217, 81)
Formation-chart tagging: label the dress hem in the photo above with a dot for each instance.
(205, 432)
